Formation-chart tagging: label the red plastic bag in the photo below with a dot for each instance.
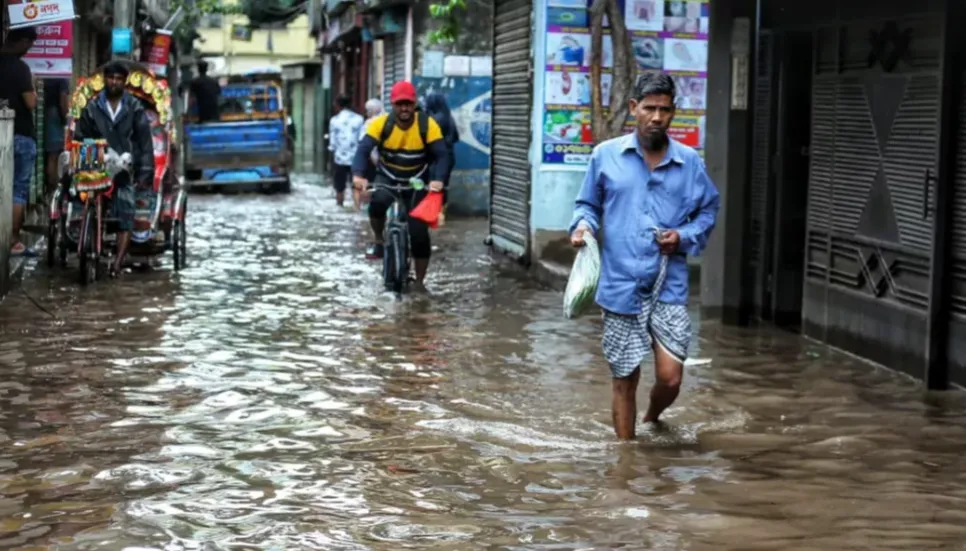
(429, 209)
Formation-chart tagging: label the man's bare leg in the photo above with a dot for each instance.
(668, 373)
(123, 242)
(18, 214)
(624, 405)
(422, 266)
(378, 225)
(357, 198)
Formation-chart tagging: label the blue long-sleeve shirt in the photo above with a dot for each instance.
(621, 192)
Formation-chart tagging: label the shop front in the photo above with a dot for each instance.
(350, 56)
(843, 169)
(388, 23)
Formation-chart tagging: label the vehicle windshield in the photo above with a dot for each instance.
(240, 100)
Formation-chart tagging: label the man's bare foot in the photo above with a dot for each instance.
(655, 425)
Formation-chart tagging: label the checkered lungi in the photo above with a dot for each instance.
(123, 206)
(628, 339)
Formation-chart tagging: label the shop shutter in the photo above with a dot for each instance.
(394, 63)
(874, 145)
(512, 104)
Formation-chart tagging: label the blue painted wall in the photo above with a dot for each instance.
(469, 99)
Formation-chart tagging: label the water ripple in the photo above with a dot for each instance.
(271, 396)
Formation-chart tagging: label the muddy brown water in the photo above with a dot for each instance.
(271, 397)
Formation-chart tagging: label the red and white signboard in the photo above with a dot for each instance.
(30, 13)
(156, 52)
(53, 52)
(688, 135)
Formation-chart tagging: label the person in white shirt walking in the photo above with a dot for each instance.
(344, 129)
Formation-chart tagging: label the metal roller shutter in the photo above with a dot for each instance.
(512, 104)
(958, 222)
(956, 347)
(394, 60)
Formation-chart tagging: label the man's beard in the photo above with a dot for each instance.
(115, 93)
(654, 140)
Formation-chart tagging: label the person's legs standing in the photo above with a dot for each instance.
(670, 327)
(340, 179)
(420, 243)
(54, 146)
(379, 203)
(624, 404)
(626, 343)
(124, 207)
(24, 164)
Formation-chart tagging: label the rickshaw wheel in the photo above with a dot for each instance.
(88, 248)
(62, 244)
(53, 243)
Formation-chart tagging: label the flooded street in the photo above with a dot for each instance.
(272, 397)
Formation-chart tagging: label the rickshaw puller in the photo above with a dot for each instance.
(118, 117)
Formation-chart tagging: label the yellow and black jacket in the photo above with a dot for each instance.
(420, 150)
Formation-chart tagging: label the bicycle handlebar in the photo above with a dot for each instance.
(372, 187)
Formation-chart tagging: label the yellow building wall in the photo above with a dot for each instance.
(227, 56)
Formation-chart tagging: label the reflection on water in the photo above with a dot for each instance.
(271, 397)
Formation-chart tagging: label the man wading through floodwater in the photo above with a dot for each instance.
(657, 205)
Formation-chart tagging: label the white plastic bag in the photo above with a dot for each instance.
(582, 285)
(117, 162)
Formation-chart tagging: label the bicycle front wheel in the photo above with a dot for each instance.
(388, 265)
(87, 247)
(396, 263)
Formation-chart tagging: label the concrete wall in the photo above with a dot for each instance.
(6, 196)
(553, 187)
(462, 71)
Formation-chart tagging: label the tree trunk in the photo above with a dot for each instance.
(624, 71)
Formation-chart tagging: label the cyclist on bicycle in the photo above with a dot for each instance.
(410, 145)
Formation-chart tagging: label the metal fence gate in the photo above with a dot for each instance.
(512, 104)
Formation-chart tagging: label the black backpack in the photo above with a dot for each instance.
(422, 120)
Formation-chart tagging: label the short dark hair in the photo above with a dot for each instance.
(654, 83)
(344, 102)
(21, 34)
(116, 68)
(202, 66)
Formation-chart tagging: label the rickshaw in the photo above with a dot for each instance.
(79, 217)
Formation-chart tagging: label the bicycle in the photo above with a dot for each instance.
(396, 256)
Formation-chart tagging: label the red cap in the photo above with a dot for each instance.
(403, 91)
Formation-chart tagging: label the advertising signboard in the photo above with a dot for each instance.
(29, 13)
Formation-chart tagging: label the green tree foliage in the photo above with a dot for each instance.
(194, 10)
(446, 13)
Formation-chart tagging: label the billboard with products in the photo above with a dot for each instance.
(667, 35)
